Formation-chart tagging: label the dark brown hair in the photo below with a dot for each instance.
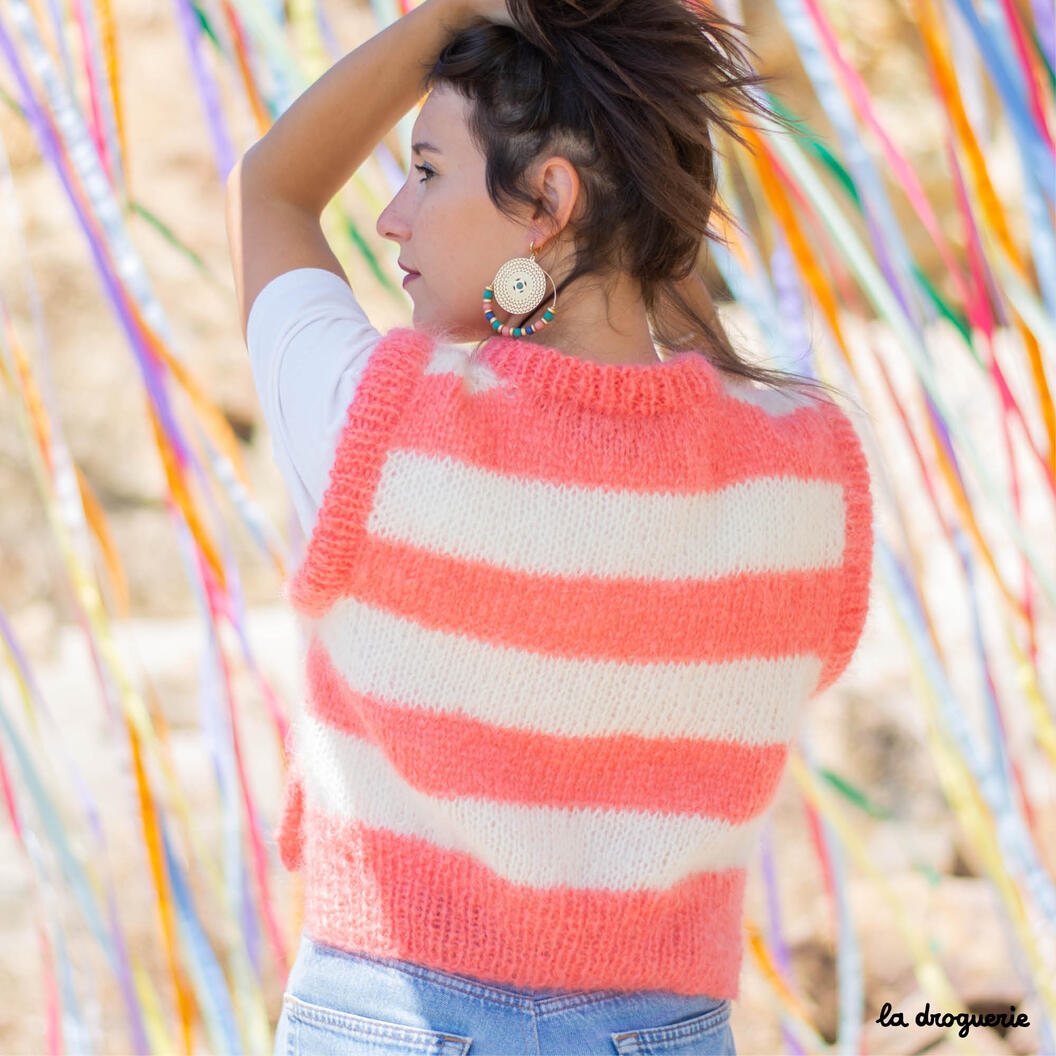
(628, 91)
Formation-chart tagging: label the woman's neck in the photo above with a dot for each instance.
(610, 327)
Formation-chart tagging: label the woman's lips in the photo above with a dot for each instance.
(407, 278)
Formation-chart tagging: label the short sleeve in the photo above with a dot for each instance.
(856, 581)
(309, 341)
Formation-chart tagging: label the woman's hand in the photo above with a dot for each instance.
(494, 11)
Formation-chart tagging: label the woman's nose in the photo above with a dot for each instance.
(391, 223)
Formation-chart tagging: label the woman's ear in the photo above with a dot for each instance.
(558, 186)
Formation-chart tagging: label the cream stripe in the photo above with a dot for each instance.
(766, 524)
(452, 359)
(622, 850)
(399, 661)
(776, 402)
(447, 359)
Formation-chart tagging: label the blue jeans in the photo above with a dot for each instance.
(358, 1004)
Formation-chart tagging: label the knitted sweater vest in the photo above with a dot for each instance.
(562, 619)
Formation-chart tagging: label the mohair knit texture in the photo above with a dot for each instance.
(562, 620)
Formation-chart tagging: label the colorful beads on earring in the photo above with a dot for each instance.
(515, 331)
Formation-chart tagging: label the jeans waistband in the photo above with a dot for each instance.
(540, 1000)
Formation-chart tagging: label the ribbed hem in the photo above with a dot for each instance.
(374, 891)
(618, 388)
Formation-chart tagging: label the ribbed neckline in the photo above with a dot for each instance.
(685, 379)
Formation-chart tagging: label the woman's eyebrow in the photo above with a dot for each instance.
(419, 147)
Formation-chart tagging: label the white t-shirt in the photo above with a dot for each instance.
(308, 341)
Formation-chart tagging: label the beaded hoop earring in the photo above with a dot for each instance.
(519, 287)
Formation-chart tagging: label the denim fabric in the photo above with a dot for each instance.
(358, 1004)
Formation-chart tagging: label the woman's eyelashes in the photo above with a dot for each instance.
(425, 169)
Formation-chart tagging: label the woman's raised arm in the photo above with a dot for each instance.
(277, 191)
(333, 126)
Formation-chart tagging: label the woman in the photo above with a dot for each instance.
(566, 596)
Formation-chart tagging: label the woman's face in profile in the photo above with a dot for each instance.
(446, 226)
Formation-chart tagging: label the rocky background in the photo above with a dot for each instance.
(874, 728)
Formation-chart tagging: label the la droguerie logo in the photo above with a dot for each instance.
(926, 1018)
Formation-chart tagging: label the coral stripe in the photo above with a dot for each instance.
(712, 446)
(619, 619)
(722, 779)
(399, 896)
